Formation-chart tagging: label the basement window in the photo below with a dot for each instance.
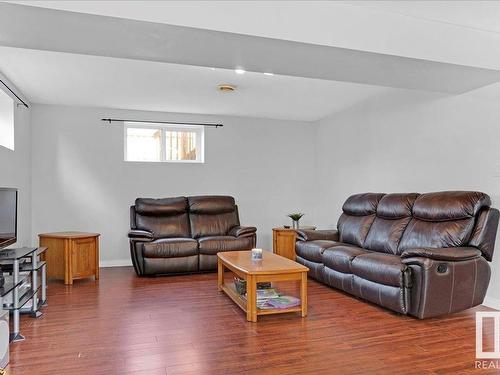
(147, 142)
(6, 121)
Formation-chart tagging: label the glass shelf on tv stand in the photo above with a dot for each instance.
(26, 294)
(24, 269)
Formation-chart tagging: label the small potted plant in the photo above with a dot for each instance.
(295, 219)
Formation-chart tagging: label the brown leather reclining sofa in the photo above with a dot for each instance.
(184, 234)
(419, 254)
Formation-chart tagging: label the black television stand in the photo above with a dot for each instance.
(24, 266)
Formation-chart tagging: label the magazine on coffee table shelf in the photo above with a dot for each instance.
(283, 302)
(264, 294)
(272, 299)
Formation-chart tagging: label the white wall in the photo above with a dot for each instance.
(80, 181)
(408, 141)
(15, 169)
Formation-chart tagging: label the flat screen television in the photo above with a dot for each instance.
(8, 216)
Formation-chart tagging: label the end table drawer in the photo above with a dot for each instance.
(284, 242)
(83, 255)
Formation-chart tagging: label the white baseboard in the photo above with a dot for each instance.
(494, 303)
(115, 263)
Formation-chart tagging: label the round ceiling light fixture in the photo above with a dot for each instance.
(226, 88)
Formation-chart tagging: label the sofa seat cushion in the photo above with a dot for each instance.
(316, 270)
(381, 268)
(212, 245)
(313, 250)
(339, 257)
(170, 248)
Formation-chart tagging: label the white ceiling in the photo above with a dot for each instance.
(401, 28)
(476, 14)
(82, 80)
(385, 43)
(123, 38)
(481, 15)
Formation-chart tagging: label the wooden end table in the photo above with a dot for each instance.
(271, 268)
(71, 255)
(284, 241)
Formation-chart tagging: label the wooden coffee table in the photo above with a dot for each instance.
(271, 268)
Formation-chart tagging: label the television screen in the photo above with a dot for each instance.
(8, 216)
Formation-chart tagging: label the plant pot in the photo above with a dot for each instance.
(295, 224)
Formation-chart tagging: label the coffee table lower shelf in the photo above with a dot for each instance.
(242, 303)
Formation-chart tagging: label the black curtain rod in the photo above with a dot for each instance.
(13, 93)
(110, 120)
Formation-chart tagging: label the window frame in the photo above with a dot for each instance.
(200, 140)
(11, 144)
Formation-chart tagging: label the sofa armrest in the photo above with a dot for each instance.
(441, 285)
(140, 235)
(240, 231)
(452, 254)
(312, 235)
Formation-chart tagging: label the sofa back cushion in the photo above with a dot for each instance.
(166, 217)
(443, 219)
(212, 215)
(357, 217)
(394, 212)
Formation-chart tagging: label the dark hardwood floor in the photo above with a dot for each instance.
(181, 325)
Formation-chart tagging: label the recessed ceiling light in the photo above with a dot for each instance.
(239, 71)
(268, 74)
(226, 88)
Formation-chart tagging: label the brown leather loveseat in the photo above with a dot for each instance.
(419, 254)
(184, 234)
